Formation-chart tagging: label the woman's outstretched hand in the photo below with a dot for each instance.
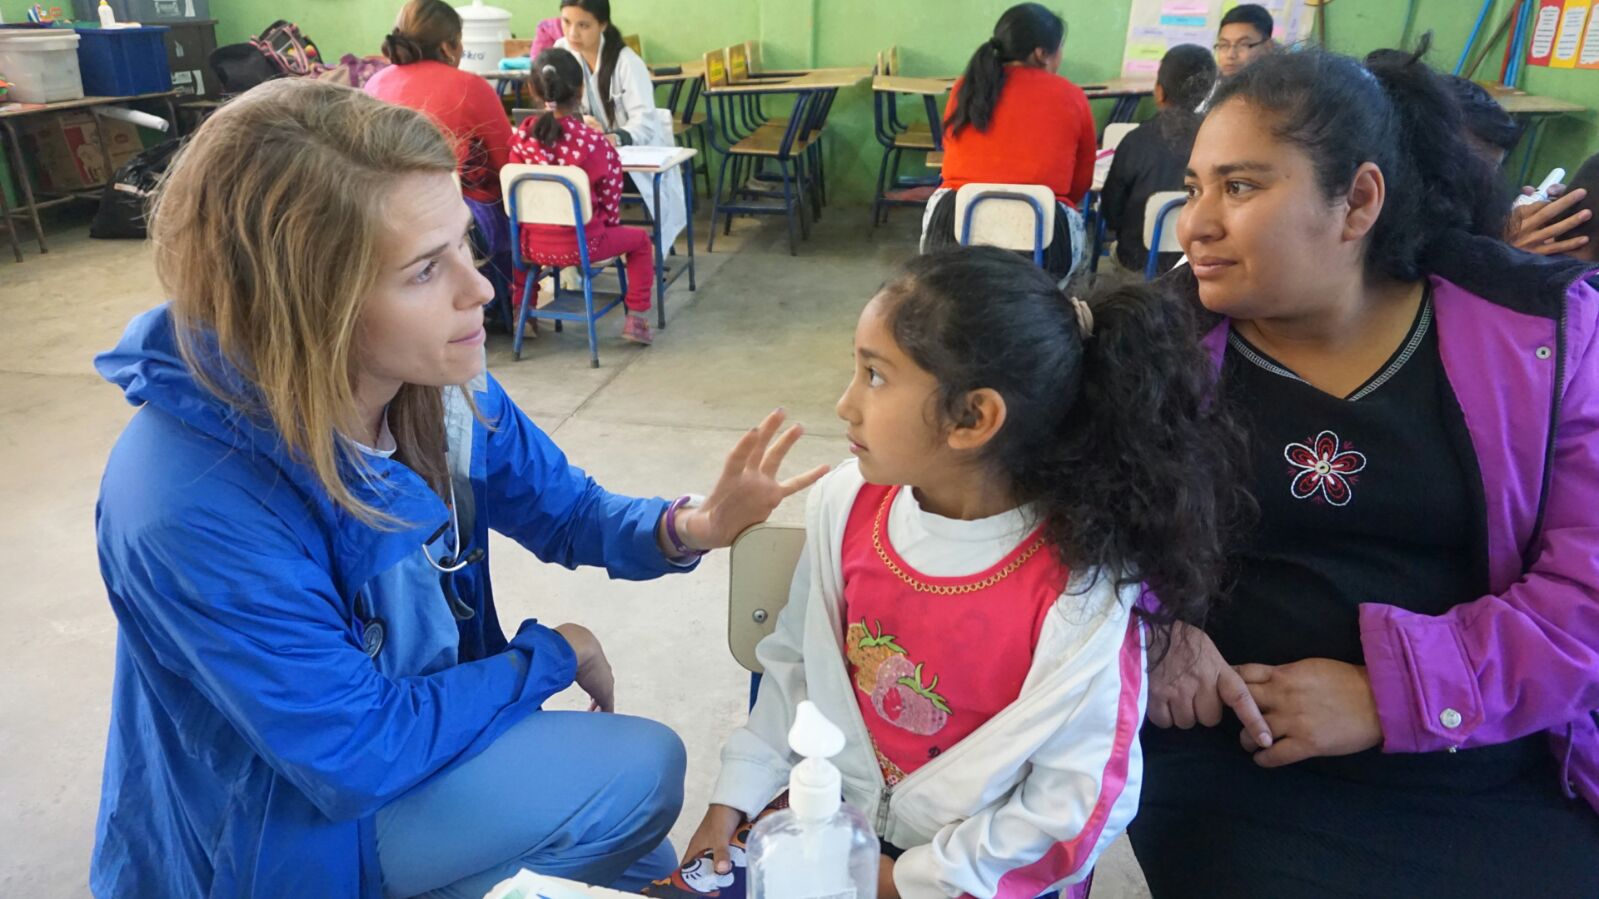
(748, 490)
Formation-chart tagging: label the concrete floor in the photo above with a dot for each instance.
(763, 330)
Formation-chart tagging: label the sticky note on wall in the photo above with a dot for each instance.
(1569, 39)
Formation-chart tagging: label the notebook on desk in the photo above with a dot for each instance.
(653, 157)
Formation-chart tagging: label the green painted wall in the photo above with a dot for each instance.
(935, 37)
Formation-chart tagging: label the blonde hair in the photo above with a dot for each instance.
(267, 234)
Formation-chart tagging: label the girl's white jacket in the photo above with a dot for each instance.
(1026, 801)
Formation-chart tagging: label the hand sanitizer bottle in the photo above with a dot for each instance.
(108, 16)
(819, 847)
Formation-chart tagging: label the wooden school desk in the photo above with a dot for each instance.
(19, 169)
(1533, 112)
(661, 161)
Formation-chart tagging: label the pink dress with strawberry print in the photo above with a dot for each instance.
(933, 658)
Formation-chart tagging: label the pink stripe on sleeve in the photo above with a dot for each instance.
(1065, 857)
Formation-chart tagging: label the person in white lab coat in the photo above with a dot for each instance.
(619, 100)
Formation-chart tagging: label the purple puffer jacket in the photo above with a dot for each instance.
(1519, 337)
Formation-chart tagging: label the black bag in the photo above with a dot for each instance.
(126, 196)
(278, 51)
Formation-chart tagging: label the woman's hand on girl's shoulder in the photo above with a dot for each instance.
(748, 491)
(1193, 684)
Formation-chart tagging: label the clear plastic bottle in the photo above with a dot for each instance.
(108, 16)
(819, 847)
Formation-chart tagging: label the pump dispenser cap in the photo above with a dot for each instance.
(814, 785)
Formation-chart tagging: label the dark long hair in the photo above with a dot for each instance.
(601, 10)
(1020, 30)
(558, 80)
(1394, 112)
(422, 31)
(1114, 436)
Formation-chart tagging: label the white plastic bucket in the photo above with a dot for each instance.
(42, 67)
(484, 31)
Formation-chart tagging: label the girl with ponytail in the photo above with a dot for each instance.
(1026, 463)
(559, 136)
(1416, 610)
(1012, 120)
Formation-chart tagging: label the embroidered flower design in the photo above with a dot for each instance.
(1324, 467)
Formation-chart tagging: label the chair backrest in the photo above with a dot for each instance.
(1168, 231)
(738, 64)
(762, 566)
(752, 53)
(893, 60)
(1114, 133)
(716, 69)
(880, 68)
(633, 41)
(1013, 216)
(546, 198)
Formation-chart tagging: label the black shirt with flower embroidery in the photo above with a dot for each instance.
(1362, 499)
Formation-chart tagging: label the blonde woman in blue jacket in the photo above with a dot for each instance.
(313, 696)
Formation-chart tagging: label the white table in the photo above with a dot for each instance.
(656, 162)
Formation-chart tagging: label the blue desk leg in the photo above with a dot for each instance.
(1533, 131)
(660, 254)
(688, 205)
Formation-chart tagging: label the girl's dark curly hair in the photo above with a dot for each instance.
(1115, 436)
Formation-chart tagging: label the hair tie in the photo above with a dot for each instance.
(547, 71)
(995, 45)
(1085, 318)
(551, 106)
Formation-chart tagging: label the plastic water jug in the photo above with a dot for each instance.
(484, 31)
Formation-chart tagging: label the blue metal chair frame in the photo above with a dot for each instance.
(590, 314)
(1150, 265)
(1038, 219)
(887, 127)
(727, 123)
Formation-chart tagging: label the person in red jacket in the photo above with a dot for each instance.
(425, 49)
(1012, 119)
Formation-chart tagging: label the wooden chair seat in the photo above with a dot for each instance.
(910, 141)
(768, 143)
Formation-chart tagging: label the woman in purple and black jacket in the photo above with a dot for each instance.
(1415, 620)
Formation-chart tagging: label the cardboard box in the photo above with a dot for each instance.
(518, 47)
(65, 150)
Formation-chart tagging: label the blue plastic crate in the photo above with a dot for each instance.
(122, 62)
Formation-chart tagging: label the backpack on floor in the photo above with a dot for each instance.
(127, 194)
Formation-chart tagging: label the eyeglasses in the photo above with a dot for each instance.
(1225, 49)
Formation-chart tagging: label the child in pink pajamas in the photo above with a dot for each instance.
(560, 137)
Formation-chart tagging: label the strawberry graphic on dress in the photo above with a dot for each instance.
(868, 651)
(902, 700)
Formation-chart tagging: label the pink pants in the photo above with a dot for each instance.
(555, 245)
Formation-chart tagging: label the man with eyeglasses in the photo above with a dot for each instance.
(1245, 36)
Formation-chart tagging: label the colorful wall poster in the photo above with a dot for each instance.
(1156, 26)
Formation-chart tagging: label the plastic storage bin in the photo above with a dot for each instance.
(122, 62)
(42, 65)
(143, 11)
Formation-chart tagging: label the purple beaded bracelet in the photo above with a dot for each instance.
(683, 550)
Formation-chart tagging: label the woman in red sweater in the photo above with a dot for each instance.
(425, 49)
(1013, 120)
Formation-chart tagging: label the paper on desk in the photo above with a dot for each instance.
(650, 156)
(527, 885)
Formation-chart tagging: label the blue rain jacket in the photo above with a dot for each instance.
(252, 738)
